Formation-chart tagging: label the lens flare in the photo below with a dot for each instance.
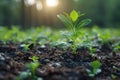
(52, 3)
(39, 5)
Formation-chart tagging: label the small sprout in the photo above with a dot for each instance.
(95, 68)
(25, 46)
(113, 76)
(95, 64)
(92, 50)
(73, 23)
(33, 66)
(116, 47)
(34, 58)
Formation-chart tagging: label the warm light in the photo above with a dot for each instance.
(29, 2)
(39, 5)
(52, 3)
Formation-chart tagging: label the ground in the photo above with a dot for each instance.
(57, 63)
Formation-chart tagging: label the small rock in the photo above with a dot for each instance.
(1, 57)
(56, 65)
(45, 61)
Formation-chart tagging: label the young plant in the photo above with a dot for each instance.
(95, 68)
(33, 66)
(116, 47)
(31, 72)
(34, 58)
(92, 50)
(74, 24)
(25, 47)
(113, 76)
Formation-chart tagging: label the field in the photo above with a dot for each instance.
(49, 54)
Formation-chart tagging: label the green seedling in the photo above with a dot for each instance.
(34, 58)
(25, 47)
(95, 68)
(116, 47)
(74, 24)
(113, 76)
(33, 66)
(92, 50)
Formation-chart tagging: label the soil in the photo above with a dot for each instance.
(57, 63)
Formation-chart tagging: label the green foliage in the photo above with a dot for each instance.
(74, 15)
(25, 47)
(95, 68)
(61, 38)
(34, 58)
(95, 64)
(116, 47)
(92, 50)
(113, 76)
(32, 66)
(73, 23)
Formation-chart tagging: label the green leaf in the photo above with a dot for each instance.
(113, 76)
(83, 23)
(67, 22)
(23, 75)
(34, 58)
(95, 64)
(67, 15)
(74, 15)
(33, 66)
(96, 71)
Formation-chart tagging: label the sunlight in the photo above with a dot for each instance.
(29, 2)
(52, 3)
(39, 5)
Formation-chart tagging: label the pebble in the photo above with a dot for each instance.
(45, 61)
(56, 65)
(1, 57)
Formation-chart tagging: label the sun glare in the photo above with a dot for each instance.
(39, 5)
(52, 3)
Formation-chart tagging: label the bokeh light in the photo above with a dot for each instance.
(39, 5)
(52, 3)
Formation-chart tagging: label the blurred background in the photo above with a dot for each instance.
(28, 13)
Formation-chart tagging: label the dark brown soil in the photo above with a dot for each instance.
(58, 64)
